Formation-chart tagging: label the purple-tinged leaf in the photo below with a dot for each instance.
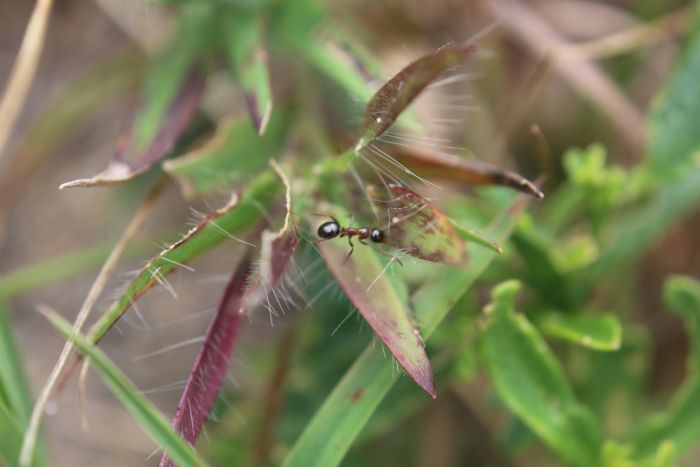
(212, 362)
(392, 99)
(416, 227)
(362, 278)
(237, 216)
(130, 161)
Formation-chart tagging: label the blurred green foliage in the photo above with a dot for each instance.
(565, 357)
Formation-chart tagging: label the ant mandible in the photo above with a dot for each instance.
(332, 229)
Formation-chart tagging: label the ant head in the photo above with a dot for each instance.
(330, 229)
(377, 236)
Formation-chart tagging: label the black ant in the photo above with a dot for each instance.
(332, 229)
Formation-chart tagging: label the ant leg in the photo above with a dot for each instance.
(393, 257)
(352, 247)
(362, 241)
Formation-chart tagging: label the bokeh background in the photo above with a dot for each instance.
(595, 89)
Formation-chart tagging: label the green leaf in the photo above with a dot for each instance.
(679, 423)
(634, 230)
(51, 270)
(234, 154)
(151, 420)
(15, 402)
(247, 57)
(170, 70)
(531, 383)
(600, 331)
(339, 70)
(348, 408)
(542, 270)
(237, 216)
(674, 140)
(11, 432)
(665, 456)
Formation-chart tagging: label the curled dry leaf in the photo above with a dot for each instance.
(416, 227)
(392, 99)
(129, 161)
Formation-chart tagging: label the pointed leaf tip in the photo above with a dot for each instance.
(362, 279)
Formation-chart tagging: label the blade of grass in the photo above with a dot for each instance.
(149, 418)
(331, 432)
(30, 277)
(23, 72)
(14, 387)
(214, 229)
(92, 296)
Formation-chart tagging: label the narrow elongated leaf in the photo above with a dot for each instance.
(531, 383)
(149, 417)
(222, 224)
(11, 432)
(209, 369)
(416, 227)
(247, 57)
(217, 227)
(679, 423)
(600, 331)
(125, 167)
(357, 395)
(392, 99)
(674, 139)
(234, 154)
(453, 167)
(15, 402)
(362, 278)
(171, 96)
(13, 382)
(61, 267)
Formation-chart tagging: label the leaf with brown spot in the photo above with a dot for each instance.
(416, 227)
(392, 99)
